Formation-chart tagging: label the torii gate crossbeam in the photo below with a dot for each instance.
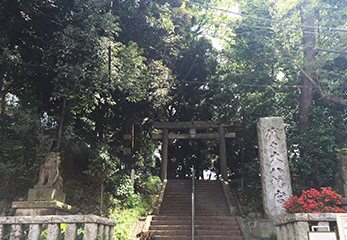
(192, 126)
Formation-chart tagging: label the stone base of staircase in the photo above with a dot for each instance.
(206, 227)
(213, 220)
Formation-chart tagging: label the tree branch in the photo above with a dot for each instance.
(325, 97)
(316, 85)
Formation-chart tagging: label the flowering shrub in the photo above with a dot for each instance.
(313, 201)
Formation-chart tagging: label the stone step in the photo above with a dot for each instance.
(170, 227)
(212, 216)
(170, 197)
(215, 232)
(178, 196)
(209, 221)
(172, 232)
(199, 238)
(198, 213)
(197, 208)
(219, 227)
(201, 205)
(187, 232)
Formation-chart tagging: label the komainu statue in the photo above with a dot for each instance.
(49, 176)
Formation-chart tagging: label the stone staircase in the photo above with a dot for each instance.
(212, 217)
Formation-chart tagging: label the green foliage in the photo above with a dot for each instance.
(103, 163)
(125, 192)
(147, 185)
(125, 222)
(126, 195)
(61, 236)
(136, 204)
(20, 159)
(54, 65)
(313, 160)
(80, 232)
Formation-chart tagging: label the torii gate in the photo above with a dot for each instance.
(192, 126)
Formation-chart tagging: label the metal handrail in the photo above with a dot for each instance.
(193, 202)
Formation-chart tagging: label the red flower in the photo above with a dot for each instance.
(314, 201)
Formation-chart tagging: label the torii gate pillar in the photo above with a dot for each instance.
(164, 154)
(222, 152)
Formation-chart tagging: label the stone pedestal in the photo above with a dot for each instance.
(43, 201)
(40, 208)
(46, 194)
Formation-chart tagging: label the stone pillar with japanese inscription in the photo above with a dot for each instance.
(274, 167)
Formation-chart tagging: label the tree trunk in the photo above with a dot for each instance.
(60, 131)
(306, 91)
(62, 115)
(3, 90)
(307, 85)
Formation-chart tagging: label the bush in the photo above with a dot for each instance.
(125, 221)
(312, 153)
(313, 201)
(134, 203)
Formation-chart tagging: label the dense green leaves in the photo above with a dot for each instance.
(89, 72)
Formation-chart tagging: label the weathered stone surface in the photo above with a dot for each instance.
(57, 219)
(90, 231)
(107, 232)
(132, 177)
(49, 176)
(306, 217)
(147, 223)
(342, 189)
(261, 227)
(34, 232)
(68, 219)
(279, 234)
(53, 231)
(301, 230)
(7, 220)
(101, 230)
(274, 167)
(341, 176)
(39, 208)
(323, 226)
(1, 231)
(226, 190)
(291, 232)
(284, 231)
(298, 224)
(16, 232)
(46, 194)
(70, 231)
(161, 198)
(111, 236)
(322, 217)
(34, 222)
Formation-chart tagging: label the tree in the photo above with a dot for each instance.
(281, 42)
(56, 63)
